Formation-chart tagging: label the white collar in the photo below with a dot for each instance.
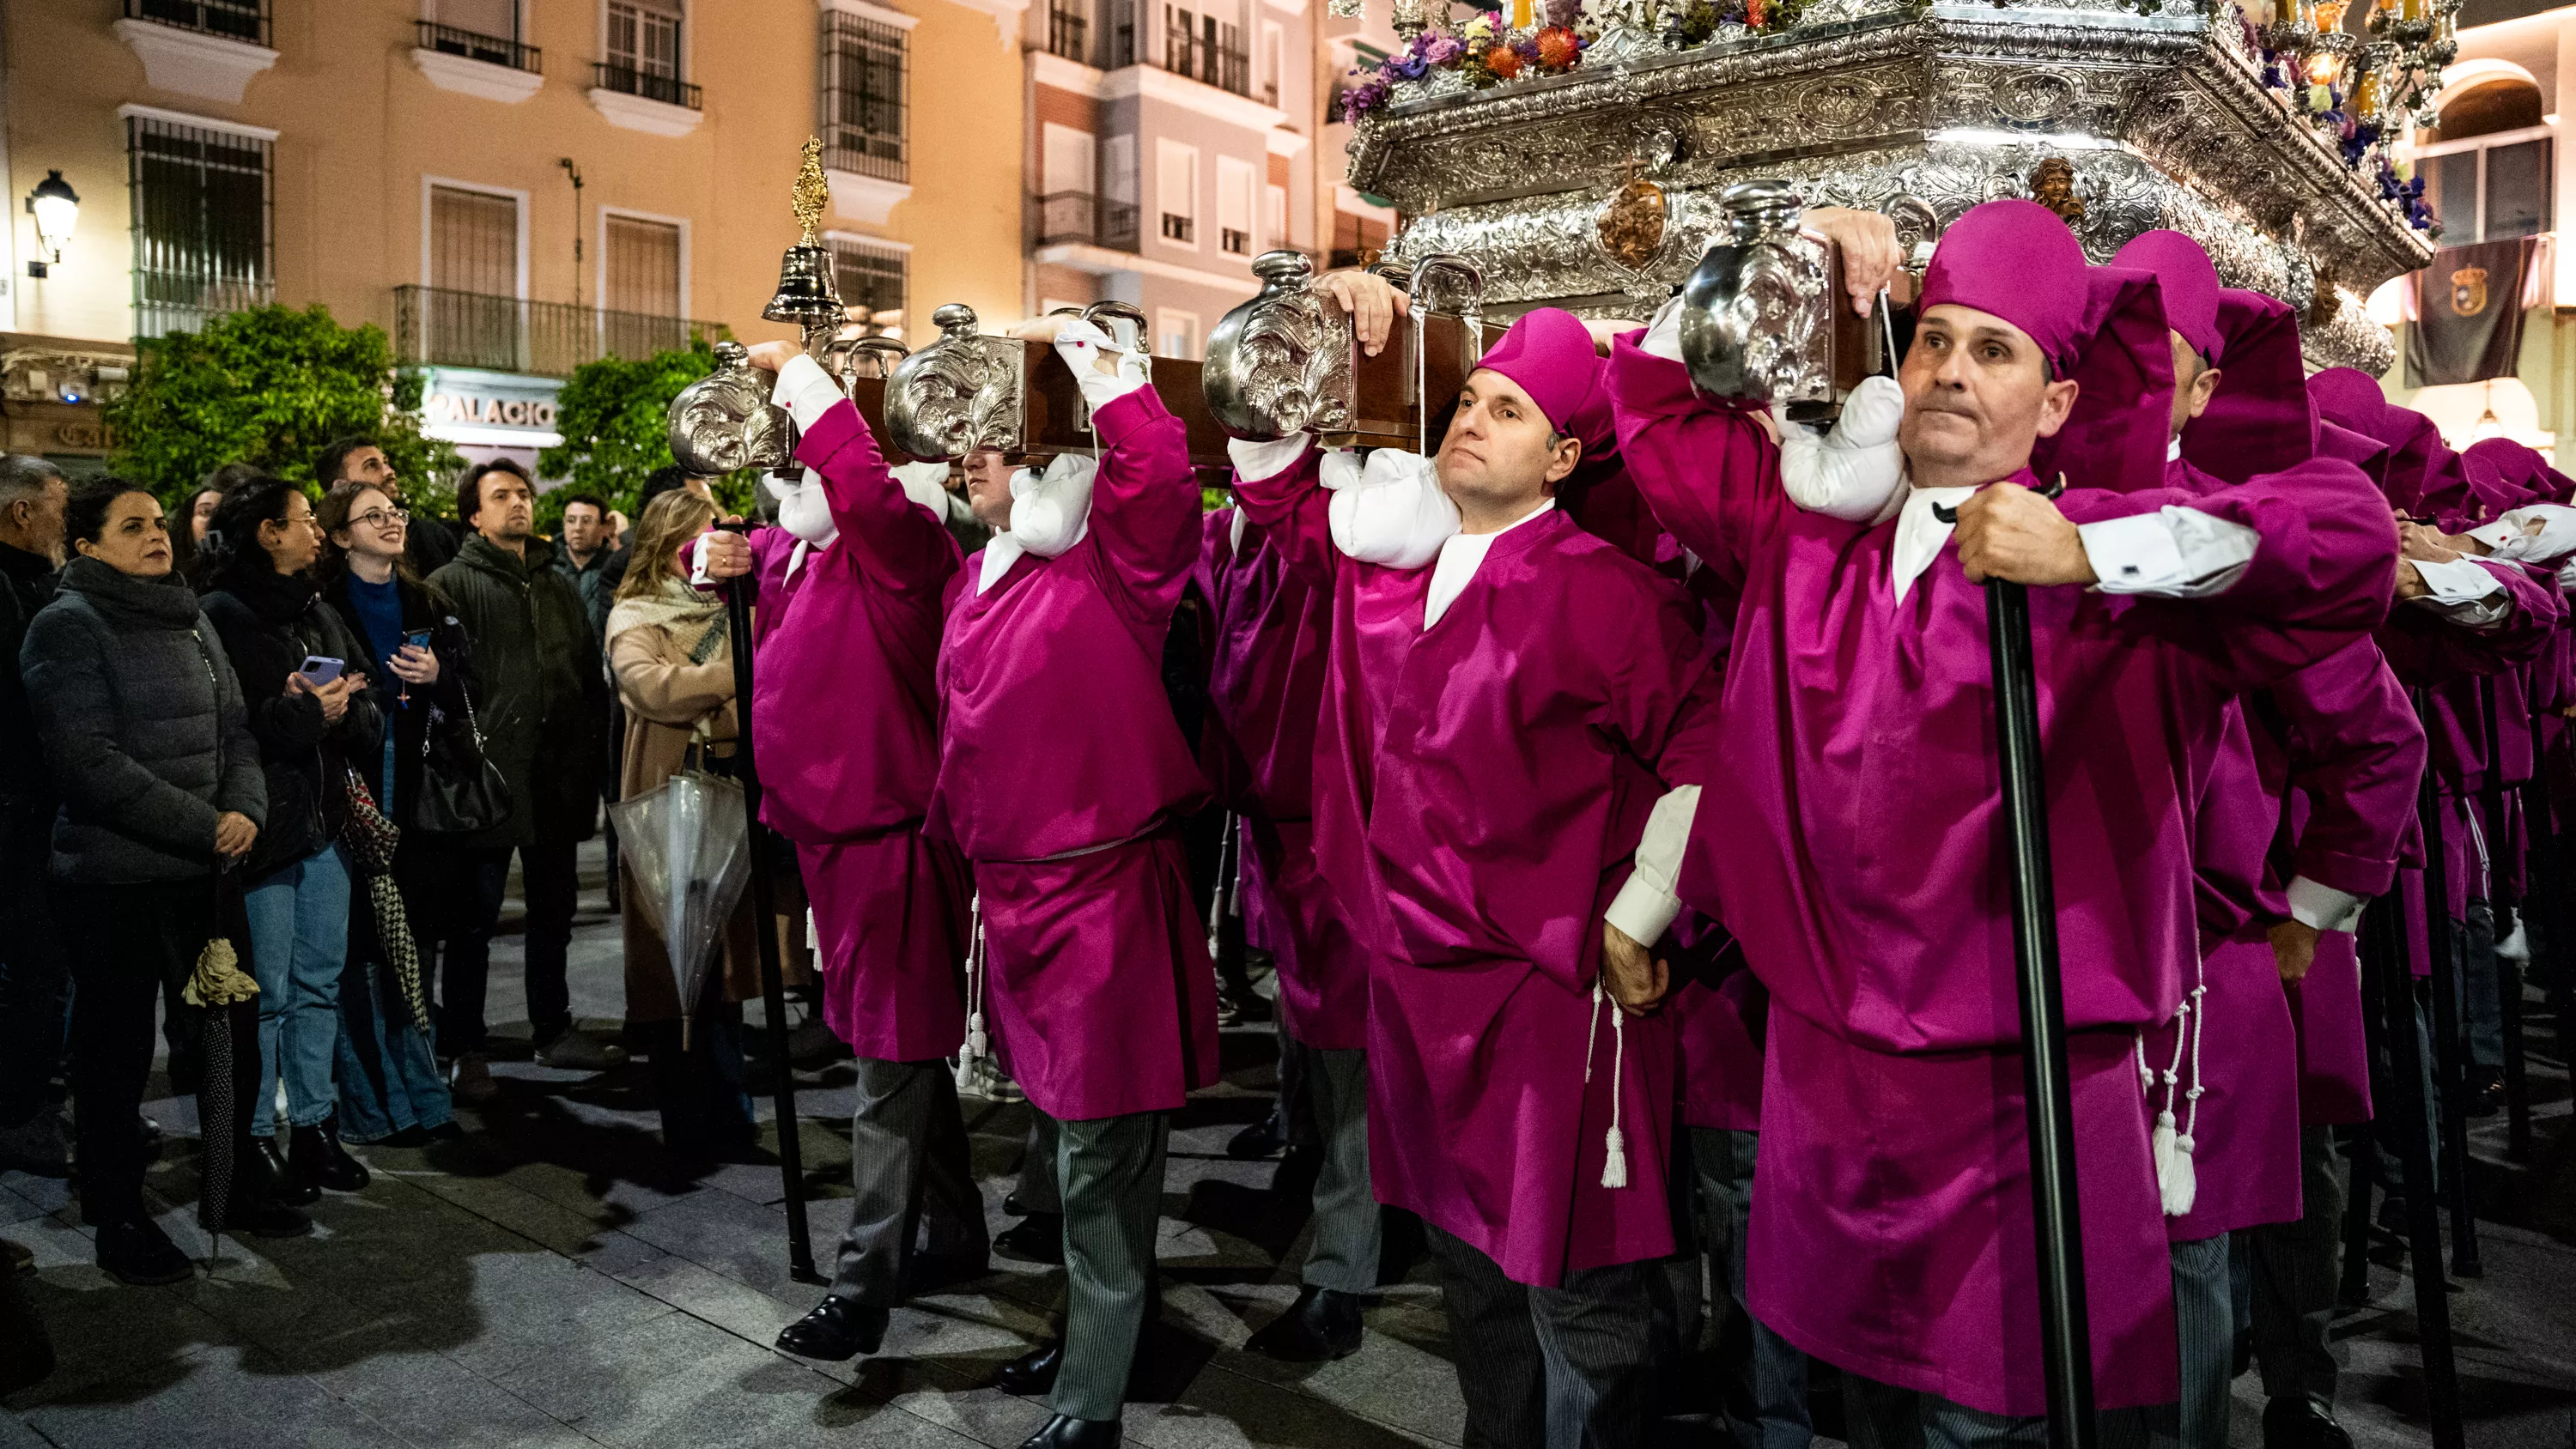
(1234, 530)
(1919, 535)
(796, 558)
(1002, 551)
(1461, 554)
(2173, 448)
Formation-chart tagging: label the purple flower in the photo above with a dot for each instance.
(1442, 48)
(1408, 66)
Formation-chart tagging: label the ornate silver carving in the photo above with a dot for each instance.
(1756, 314)
(1280, 363)
(725, 420)
(1916, 111)
(960, 393)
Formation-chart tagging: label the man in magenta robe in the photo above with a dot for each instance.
(849, 607)
(1063, 776)
(2277, 988)
(1510, 697)
(1857, 852)
(1266, 686)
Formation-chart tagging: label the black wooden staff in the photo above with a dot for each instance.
(2384, 931)
(2494, 691)
(2048, 1098)
(2066, 1335)
(2451, 1077)
(764, 898)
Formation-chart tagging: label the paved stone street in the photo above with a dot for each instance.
(555, 1280)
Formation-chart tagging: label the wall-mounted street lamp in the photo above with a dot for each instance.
(56, 208)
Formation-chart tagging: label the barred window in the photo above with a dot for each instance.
(863, 101)
(200, 201)
(871, 279)
(644, 37)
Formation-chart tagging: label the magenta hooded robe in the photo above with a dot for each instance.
(845, 726)
(1061, 775)
(1857, 854)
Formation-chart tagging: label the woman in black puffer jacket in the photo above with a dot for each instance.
(144, 730)
(260, 553)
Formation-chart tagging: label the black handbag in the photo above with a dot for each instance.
(461, 791)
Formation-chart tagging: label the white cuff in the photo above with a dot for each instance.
(2464, 592)
(805, 390)
(1256, 460)
(2173, 553)
(2322, 907)
(2536, 533)
(1100, 389)
(1646, 905)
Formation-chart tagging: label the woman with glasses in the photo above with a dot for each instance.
(391, 1090)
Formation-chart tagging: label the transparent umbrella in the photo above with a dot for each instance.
(687, 841)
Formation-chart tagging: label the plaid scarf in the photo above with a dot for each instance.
(371, 839)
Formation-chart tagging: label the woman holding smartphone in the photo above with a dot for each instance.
(314, 713)
(391, 1089)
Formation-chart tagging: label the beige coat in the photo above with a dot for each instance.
(666, 697)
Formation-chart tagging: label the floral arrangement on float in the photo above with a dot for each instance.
(1522, 39)
(2360, 89)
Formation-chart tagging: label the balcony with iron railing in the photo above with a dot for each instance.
(1078, 218)
(434, 326)
(474, 45)
(232, 19)
(627, 80)
(1194, 55)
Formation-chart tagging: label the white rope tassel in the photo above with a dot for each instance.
(977, 1043)
(2183, 1188)
(1614, 1166)
(2162, 1142)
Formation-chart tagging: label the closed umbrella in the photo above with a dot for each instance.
(686, 841)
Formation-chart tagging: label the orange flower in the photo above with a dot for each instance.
(1557, 48)
(1756, 14)
(1503, 61)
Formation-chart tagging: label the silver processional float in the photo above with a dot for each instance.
(1600, 156)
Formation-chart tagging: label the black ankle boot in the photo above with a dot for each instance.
(281, 1184)
(320, 1160)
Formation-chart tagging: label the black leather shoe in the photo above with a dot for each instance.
(1032, 1372)
(1012, 1205)
(283, 1186)
(266, 1217)
(1262, 1139)
(2299, 1422)
(838, 1328)
(1037, 1238)
(1324, 1323)
(320, 1160)
(1067, 1432)
(139, 1253)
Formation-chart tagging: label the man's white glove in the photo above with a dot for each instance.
(1083, 345)
(1664, 333)
(1051, 511)
(1855, 472)
(925, 484)
(1389, 511)
(803, 510)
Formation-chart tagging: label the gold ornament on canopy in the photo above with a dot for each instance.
(813, 193)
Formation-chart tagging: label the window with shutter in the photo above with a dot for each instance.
(1176, 192)
(1234, 182)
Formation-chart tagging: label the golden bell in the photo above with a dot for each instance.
(806, 292)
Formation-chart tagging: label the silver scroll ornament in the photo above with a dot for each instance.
(724, 421)
(1281, 363)
(960, 393)
(1757, 313)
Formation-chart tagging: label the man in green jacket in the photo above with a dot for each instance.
(536, 664)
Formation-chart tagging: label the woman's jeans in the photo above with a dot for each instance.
(389, 1078)
(299, 941)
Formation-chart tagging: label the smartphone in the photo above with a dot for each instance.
(320, 669)
(417, 641)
